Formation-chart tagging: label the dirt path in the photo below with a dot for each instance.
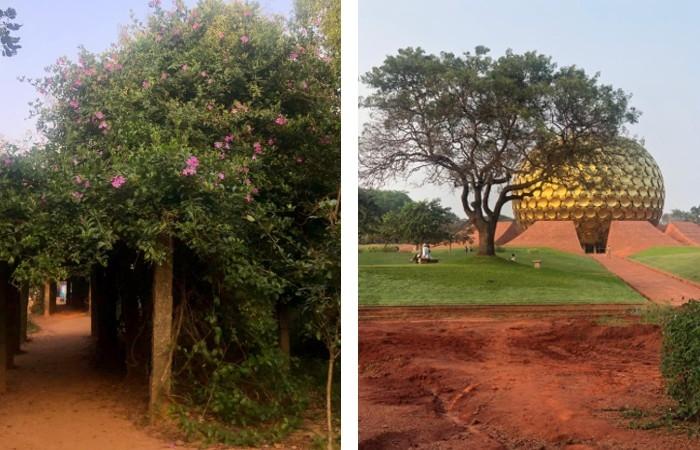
(474, 381)
(57, 401)
(654, 285)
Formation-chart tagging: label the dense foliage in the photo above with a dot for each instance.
(215, 128)
(681, 359)
(372, 204)
(417, 223)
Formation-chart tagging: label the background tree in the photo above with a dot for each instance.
(474, 122)
(686, 216)
(7, 26)
(418, 223)
(373, 204)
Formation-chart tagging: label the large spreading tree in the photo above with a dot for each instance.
(474, 123)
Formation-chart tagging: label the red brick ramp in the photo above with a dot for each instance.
(684, 232)
(556, 234)
(506, 231)
(628, 237)
(655, 286)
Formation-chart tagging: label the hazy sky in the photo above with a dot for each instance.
(51, 29)
(648, 48)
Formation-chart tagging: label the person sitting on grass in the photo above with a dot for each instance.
(426, 252)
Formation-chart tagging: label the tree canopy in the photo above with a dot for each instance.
(475, 122)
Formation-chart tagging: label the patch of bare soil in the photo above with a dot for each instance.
(57, 400)
(475, 381)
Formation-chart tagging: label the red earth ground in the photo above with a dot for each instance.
(491, 379)
(56, 400)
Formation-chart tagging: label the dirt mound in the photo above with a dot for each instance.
(520, 382)
(584, 338)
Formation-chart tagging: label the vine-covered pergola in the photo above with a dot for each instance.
(189, 181)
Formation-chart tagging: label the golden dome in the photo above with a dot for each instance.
(634, 191)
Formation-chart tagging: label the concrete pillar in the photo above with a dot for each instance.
(24, 304)
(161, 343)
(92, 308)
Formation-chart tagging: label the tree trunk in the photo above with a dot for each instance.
(161, 339)
(487, 237)
(3, 327)
(49, 298)
(329, 404)
(283, 319)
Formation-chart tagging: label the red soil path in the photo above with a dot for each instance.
(627, 237)
(479, 382)
(652, 284)
(57, 401)
(685, 232)
(556, 234)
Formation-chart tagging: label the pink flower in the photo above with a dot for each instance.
(7, 162)
(104, 125)
(196, 25)
(203, 74)
(163, 75)
(248, 198)
(245, 39)
(300, 160)
(146, 84)
(99, 115)
(221, 34)
(184, 67)
(191, 166)
(271, 141)
(257, 148)
(228, 138)
(247, 13)
(218, 144)
(220, 176)
(293, 56)
(75, 104)
(254, 191)
(77, 195)
(281, 120)
(210, 106)
(118, 181)
(78, 179)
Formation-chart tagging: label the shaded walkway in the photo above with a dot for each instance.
(57, 401)
(654, 285)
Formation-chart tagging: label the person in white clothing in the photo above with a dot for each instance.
(426, 252)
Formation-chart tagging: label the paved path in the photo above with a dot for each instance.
(654, 285)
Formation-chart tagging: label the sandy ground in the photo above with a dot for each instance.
(57, 401)
(480, 380)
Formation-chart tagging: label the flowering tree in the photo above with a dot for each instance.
(204, 141)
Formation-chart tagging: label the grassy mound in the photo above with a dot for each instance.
(391, 279)
(681, 261)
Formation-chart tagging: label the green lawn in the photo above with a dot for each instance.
(390, 279)
(682, 261)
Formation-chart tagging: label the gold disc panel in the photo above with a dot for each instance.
(634, 191)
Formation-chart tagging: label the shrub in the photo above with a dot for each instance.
(379, 248)
(680, 363)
